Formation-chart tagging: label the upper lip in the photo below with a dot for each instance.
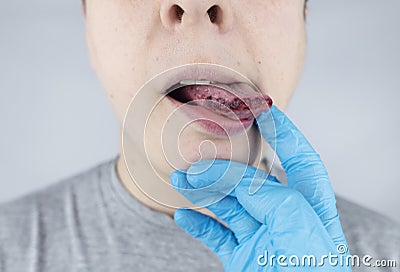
(205, 71)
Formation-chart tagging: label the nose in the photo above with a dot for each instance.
(197, 13)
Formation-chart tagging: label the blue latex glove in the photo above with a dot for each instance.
(295, 220)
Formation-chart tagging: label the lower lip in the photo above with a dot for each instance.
(212, 122)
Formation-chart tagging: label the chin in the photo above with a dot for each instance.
(244, 148)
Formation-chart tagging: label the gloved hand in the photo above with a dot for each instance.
(274, 228)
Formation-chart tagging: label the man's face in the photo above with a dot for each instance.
(131, 41)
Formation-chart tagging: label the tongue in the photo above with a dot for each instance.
(244, 104)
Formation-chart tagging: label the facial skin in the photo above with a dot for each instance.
(131, 41)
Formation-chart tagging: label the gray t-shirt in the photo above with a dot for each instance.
(90, 222)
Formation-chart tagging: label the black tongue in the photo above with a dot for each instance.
(208, 92)
(223, 101)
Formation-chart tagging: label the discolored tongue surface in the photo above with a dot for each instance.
(240, 104)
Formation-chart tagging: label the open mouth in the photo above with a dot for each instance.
(229, 106)
(222, 101)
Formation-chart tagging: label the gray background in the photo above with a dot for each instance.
(56, 120)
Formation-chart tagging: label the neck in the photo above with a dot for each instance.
(168, 193)
(137, 193)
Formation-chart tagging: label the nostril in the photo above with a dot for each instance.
(214, 13)
(177, 12)
(172, 15)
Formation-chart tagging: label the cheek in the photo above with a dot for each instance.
(117, 50)
(279, 51)
(285, 71)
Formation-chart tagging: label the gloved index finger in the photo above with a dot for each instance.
(282, 135)
(304, 169)
(300, 161)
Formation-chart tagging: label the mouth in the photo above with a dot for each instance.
(219, 108)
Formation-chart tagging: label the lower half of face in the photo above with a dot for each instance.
(132, 41)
